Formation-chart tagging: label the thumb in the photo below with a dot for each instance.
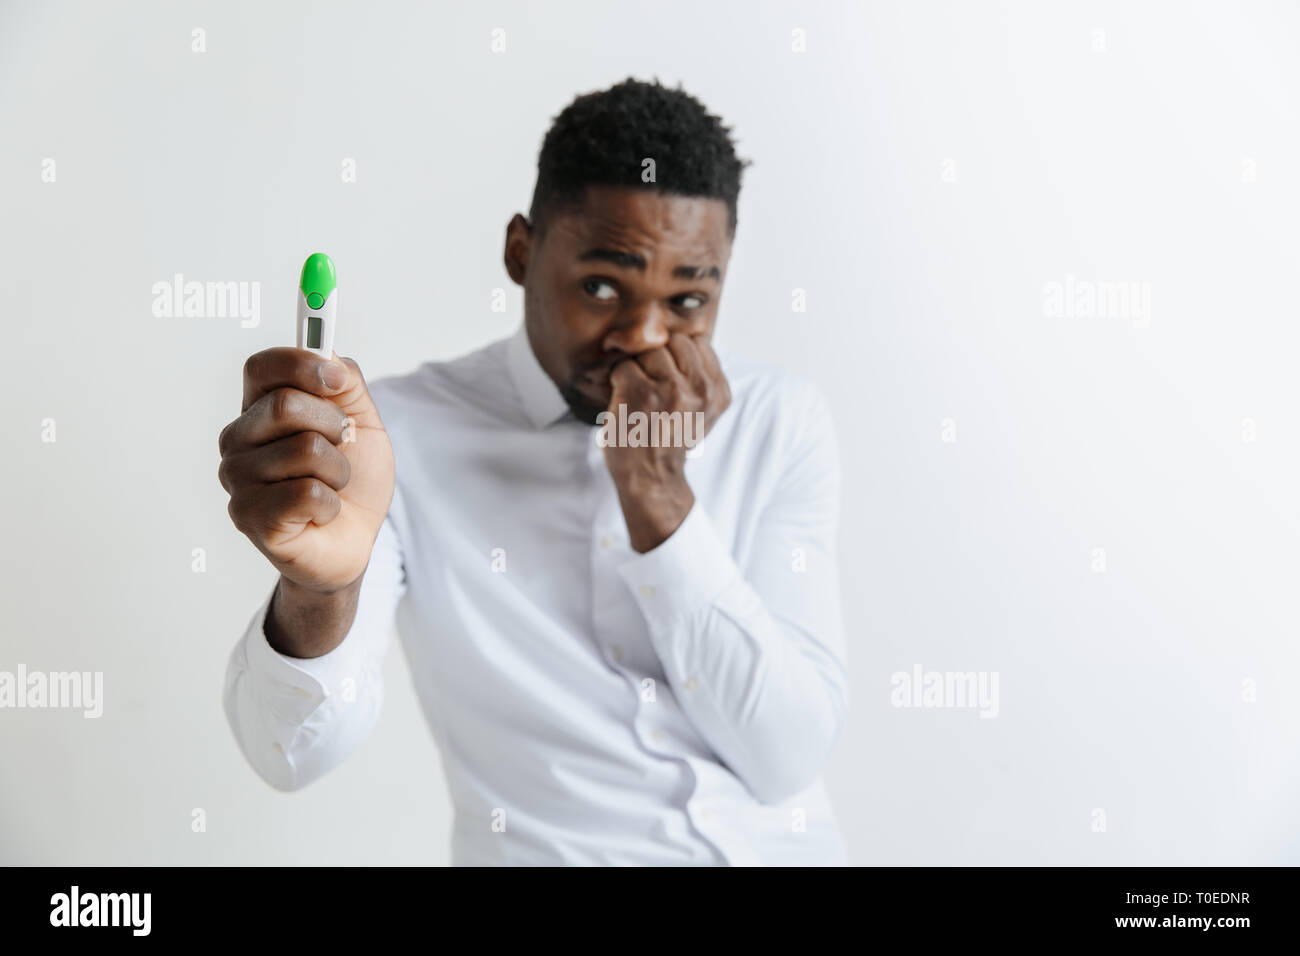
(354, 397)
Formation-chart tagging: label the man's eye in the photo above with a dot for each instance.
(598, 289)
(689, 301)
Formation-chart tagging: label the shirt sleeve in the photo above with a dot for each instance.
(756, 654)
(294, 718)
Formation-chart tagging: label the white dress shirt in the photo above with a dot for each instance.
(592, 705)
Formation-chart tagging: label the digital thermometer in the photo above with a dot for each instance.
(318, 304)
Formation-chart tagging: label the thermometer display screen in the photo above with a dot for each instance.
(313, 331)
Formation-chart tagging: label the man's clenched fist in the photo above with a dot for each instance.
(308, 466)
(682, 377)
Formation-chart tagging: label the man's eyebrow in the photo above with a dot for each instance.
(628, 260)
(696, 272)
(633, 260)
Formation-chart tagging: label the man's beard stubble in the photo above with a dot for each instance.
(582, 407)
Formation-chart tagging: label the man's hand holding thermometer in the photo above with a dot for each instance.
(309, 469)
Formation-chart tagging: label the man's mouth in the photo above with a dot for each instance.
(598, 378)
(596, 385)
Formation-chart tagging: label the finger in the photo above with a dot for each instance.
(279, 413)
(713, 367)
(687, 357)
(273, 506)
(627, 378)
(657, 363)
(304, 455)
(287, 367)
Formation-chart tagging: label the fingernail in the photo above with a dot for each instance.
(333, 376)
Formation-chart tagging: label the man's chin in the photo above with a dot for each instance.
(584, 408)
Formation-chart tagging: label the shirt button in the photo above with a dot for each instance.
(657, 736)
(646, 590)
(690, 683)
(606, 542)
(618, 653)
(300, 692)
(277, 748)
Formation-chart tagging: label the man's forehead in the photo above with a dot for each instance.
(647, 220)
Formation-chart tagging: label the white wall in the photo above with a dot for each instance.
(1169, 158)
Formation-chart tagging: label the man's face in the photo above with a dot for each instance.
(613, 278)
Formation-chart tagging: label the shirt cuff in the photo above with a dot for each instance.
(686, 574)
(296, 686)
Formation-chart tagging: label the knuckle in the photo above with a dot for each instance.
(284, 403)
(314, 445)
(304, 491)
(255, 367)
(238, 516)
(316, 491)
(224, 439)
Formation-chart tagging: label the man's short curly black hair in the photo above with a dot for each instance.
(603, 139)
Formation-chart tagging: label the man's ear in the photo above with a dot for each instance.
(519, 248)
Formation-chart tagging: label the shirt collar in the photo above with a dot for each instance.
(542, 401)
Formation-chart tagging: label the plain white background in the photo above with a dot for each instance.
(922, 171)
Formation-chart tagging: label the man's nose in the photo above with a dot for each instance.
(638, 330)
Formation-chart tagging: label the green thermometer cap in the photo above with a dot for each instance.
(318, 279)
